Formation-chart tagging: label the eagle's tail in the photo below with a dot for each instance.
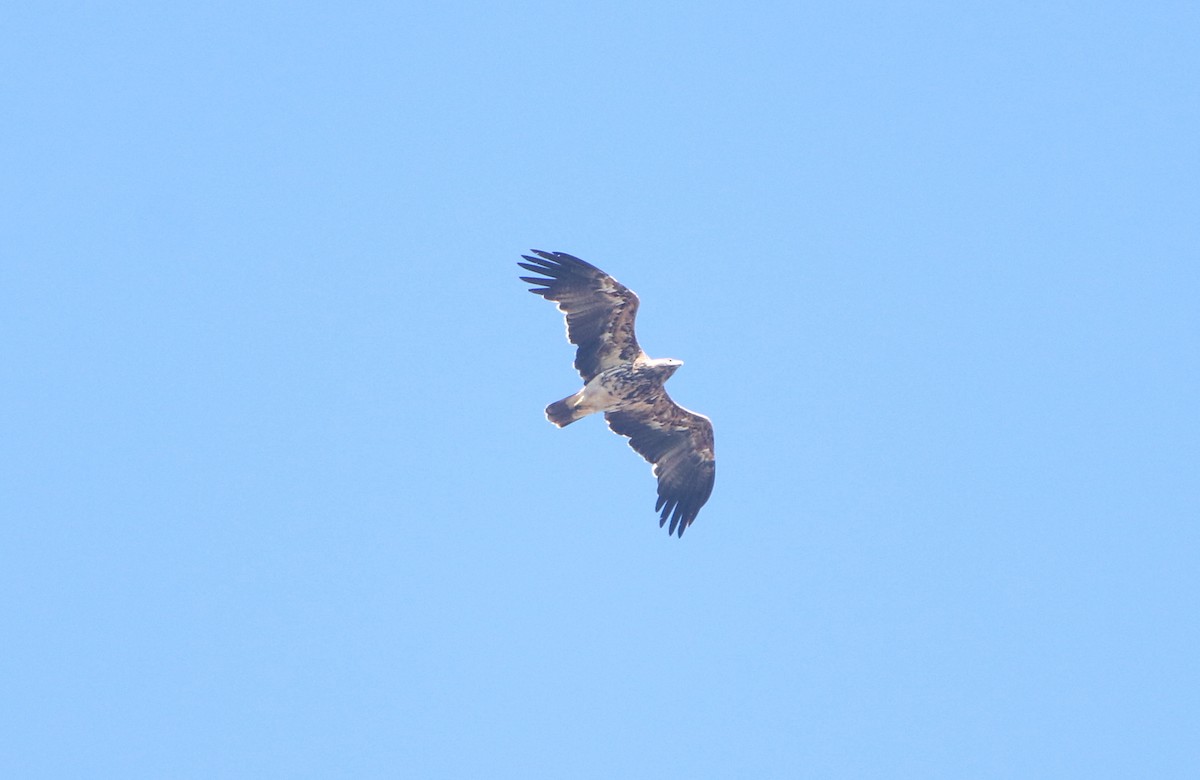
(566, 411)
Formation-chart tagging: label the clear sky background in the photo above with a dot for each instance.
(278, 496)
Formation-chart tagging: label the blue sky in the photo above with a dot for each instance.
(279, 499)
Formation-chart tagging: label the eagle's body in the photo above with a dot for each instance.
(620, 387)
(626, 384)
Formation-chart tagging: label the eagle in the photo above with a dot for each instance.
(626, 384)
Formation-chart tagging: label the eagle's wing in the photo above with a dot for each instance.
(600, 310)
(679, 443)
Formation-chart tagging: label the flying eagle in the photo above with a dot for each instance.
(626, 384)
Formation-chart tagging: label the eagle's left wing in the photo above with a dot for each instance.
(600, 310)
(679, 443)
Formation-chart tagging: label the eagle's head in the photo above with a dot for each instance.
(667, 366)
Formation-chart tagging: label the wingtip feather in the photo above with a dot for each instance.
(537, 269)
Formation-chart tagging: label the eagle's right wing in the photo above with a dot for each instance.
(679, 443)
(599, 309)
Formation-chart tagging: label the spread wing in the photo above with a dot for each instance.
(680, 445)
(600, 310)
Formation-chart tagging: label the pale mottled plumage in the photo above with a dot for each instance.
(626, 384)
